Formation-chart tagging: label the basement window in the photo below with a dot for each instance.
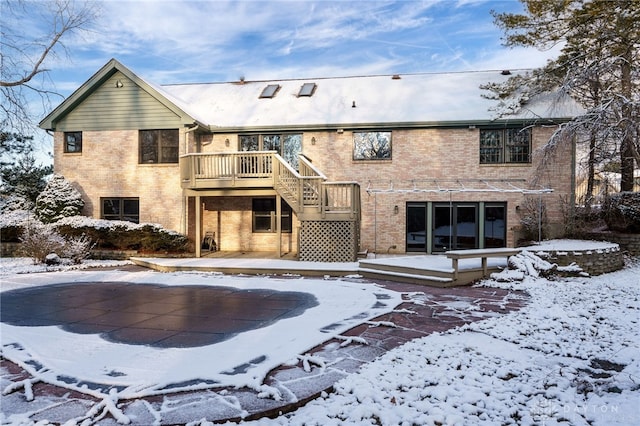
(270, 91)
(264, 215)
(120, 208)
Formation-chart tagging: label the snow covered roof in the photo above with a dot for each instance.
(406, 100)
(433, 99)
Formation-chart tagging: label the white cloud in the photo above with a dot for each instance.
(173, 41)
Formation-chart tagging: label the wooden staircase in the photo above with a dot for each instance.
(310, 195)
(329, 212)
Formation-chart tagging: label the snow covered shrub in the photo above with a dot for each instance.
(622, 212)
(13, 222)
(15, 202)
(122, 235)
(77, 248)
(58, 200)
(39, 240)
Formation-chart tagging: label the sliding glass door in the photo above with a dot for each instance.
(455, 226)
(438, 227)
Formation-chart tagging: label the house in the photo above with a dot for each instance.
(325, 168)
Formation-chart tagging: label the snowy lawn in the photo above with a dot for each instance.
(571, 357)
(23, 265)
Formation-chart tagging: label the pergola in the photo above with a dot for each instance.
(455, 186)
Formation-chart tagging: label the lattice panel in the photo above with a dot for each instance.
(329, 241)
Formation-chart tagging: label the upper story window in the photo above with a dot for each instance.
(158, 146)
(288, 145)
(372, 145)
(499, 146)
(72, 141)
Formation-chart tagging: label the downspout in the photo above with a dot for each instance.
(186, 134)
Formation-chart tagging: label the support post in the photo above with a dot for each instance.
(279, 223)
(198, 227)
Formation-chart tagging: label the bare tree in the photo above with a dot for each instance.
(25, 52)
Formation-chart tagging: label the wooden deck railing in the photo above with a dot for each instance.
(306, 191)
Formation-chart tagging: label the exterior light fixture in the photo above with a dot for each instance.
(119, 84)
(313, 140)
(226, 142)
(396, 209)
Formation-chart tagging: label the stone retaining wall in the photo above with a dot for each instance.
(11, 249)
(593, 261)
(628, 242)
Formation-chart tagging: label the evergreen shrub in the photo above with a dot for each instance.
(59, 199)
(122, 235)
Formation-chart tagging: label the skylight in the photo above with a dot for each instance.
(307, 89)
(270, 91)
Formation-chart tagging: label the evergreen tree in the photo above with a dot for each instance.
(58, 200)
(24, 178)
(597, 67)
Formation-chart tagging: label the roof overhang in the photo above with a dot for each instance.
(471, 124)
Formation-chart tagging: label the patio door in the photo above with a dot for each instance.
(417, 227)
(495, 216)
(455, 226)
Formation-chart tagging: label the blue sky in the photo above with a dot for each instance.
(171, 41)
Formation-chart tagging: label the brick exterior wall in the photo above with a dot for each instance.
(108, 167)
(433, 154)
(231, 219)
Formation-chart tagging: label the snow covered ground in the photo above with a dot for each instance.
(110, 371)
(570, 357)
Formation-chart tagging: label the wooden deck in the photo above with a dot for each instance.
(428, 270)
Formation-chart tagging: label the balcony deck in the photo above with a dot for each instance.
(306, 190)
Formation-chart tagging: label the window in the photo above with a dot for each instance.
(505, 146)
(72, 142)
(288, 145)
(159, 146)
(119, 208)
(270, 91)
(372, 145)
(264, 215)
(307, 89)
